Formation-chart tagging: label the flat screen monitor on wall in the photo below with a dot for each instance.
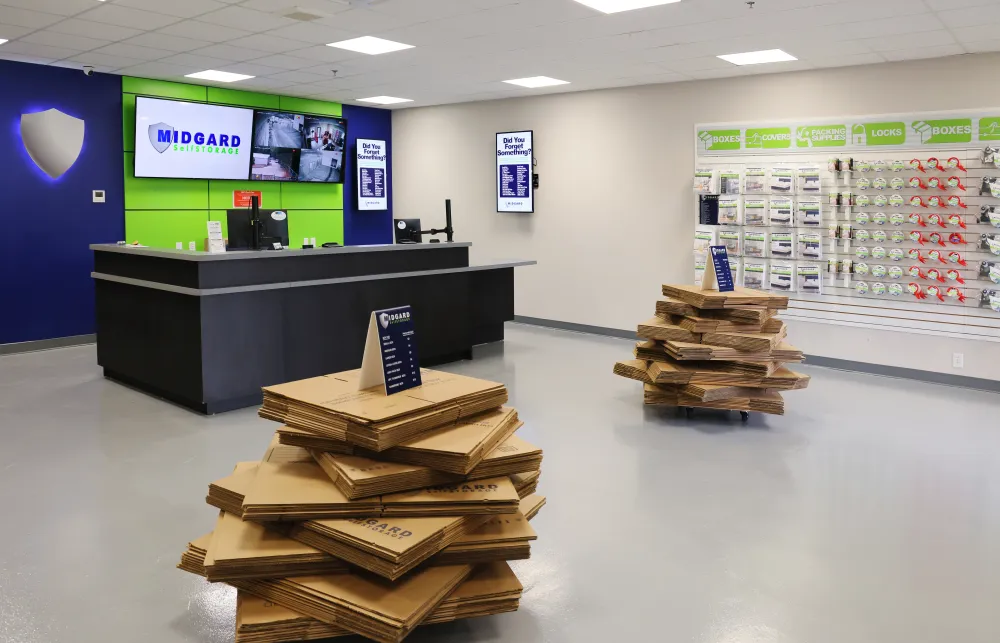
(298, 147)
(182, 140)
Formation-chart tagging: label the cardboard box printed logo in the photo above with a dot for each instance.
(382, 528)
(465, 488)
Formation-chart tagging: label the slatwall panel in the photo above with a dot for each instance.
(843, 305)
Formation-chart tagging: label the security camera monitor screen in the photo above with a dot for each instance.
(277, 146)
(322, 159)
(180, 140)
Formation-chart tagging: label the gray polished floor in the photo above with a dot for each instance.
(869, 513)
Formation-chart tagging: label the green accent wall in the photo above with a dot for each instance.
(161, 212)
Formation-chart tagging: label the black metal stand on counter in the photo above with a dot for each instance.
(207, 331)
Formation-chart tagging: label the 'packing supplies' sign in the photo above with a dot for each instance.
(180, 140)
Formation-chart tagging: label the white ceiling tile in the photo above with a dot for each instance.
(204, 31)
(134, 51)
(178, 8)
(982, 46)
(951, 6)
(426, 10)
(58, 7)
(283, 61)
(8, 32)
(324, 54)
(892, 26)
(847, 60)
(77, 27)
(689, 65)
(229, 52)
(24, 18)
(911, 41)
(938, 51)
(54, 39)
(104, 60)
(251, 68)
(72, 64)
(195, 62)
(321, 7)
(365, 22)
(155, 70)
(127, 17)
(977, 33)
(166, 42)
(268, 44)
(22, 58)
(246, 19)
(264, 83)
(308, 33)
(300, 77)
(38, 51)
(970, 17)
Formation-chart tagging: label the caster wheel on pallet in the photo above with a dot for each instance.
(689, 412)
(745, 416)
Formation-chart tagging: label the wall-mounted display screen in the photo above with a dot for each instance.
(176, 139)
(298, 147)
(514, 171)
(371, 166)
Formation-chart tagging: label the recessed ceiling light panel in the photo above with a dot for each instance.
(614, 6)
(385, 100)
(218, 76)
(759, 57)
(2, 40)
(537, 81)
(370, 45)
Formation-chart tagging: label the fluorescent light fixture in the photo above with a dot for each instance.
(218, 76)
(385, 100)
(370, 45)
(758, 57)
(2, 40)
(614, 6)
(537, 81)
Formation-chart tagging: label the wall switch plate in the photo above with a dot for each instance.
(958, 360)
(98, 196)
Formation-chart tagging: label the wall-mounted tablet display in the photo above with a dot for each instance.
(298, 147)
(182, 140)
(514, 172)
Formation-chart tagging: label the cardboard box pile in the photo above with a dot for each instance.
(707, 349)
(373, 515)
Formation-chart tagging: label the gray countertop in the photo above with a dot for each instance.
(189, 255)
(208, 292)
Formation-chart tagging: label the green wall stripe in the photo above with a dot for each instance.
(165, 89)
(242, 98)
(128, 121)
(310, 106)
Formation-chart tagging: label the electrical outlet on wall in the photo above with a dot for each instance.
(958, 360)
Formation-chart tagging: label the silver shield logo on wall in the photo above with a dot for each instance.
(53, 140)
(156, 140)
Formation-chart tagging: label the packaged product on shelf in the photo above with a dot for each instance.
(729, 210)
(782, 180)
(755, 210)
(755, 275)
(754, 243)
(810, 279)
(730, 237)
(810, 212)
(783, 276)
(755, 180)
(810, 246)
(990, 214)
(736, 267)
(783, 244)
(706, 180)
(705, 236)
(700, 261)
(781, 210)
(990, 270)
(809, 180)
(708, 209)
(990, 299)
(990, 242)
(729, 182)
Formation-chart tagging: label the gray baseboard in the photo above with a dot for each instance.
(46, 344)
(947, 379)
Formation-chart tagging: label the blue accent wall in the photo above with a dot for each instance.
(48, 223)
(362, 228)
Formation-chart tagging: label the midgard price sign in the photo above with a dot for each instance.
(372, 184)
(514, 168)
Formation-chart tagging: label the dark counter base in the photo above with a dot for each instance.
(213, 353)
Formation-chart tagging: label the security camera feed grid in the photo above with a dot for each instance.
(277, 146)
(322, 159)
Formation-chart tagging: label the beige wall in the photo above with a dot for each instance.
(614, 214)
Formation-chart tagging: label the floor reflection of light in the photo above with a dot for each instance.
(213, 607)
(543, 589)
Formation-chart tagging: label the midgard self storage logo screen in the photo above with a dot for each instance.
(180, 140)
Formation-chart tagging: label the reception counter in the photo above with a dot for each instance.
(208, 330)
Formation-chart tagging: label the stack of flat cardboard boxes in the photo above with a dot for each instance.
(373, 515)
(709, 349)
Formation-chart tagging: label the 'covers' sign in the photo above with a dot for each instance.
(514, 168)
(373, 187)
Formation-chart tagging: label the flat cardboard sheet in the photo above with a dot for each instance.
(531, 505)
(489, 496)
(280, 453)
(709, 299)
(657, 328)
(300, 491)
(762, 400)
(228, 493)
